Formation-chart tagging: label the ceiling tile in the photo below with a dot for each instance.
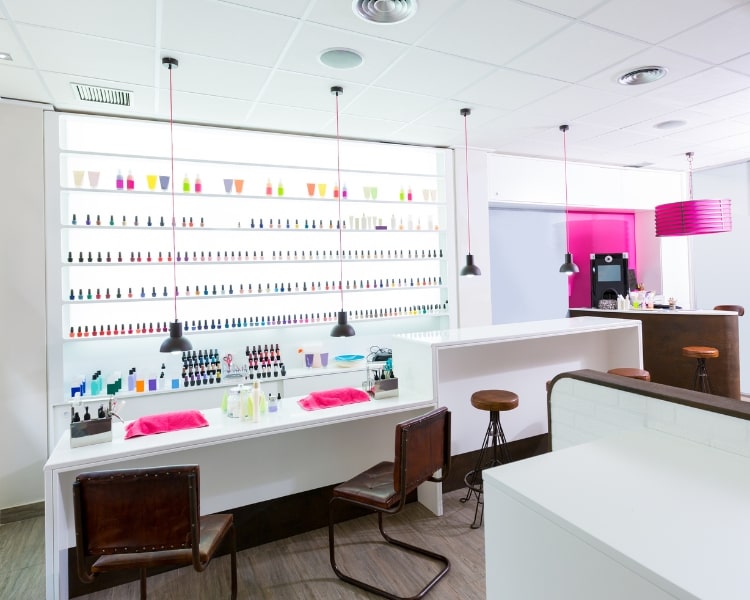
(290, 8)
(571, 8)
(427, 135)
(508, 89)
(307, 91)
(629, 113)
(433, 73)
(339, 14)
(215, 77)
(730, 105)
(22, 84)
(241, 34)
(504, 30)
(691, 118)
(84, 55)
(620, 138)
(390, 105)
(288, 118)
(200, 108)
(359, 127)
(709, 132)
(101, 18)
(569, 55)
(655, 21)
(303, 54)
(574, 101)
(717, 40)
(741, 64)
(679, 66)
(447, 115)
(10, 43)
(710, 84)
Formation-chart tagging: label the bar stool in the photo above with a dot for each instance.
(701, 353)
(641, 374)
(494, 444)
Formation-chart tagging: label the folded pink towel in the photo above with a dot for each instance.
(174, 421)
(330, 398)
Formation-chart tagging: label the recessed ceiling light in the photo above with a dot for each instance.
(672, 124)
(642, 75)
(341, 58)
(385, 12)
(6, 56)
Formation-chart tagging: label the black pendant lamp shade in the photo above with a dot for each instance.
(342, 328)
(568, 267)
(175, 342)
(470, 269)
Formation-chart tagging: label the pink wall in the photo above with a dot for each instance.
(597, 233)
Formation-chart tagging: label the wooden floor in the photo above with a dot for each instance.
(292, 568)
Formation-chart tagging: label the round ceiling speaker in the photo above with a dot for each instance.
(385, 11)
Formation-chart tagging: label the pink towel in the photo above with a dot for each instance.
(174, 421)
(330, 398)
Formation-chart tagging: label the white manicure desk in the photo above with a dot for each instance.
(241, 462)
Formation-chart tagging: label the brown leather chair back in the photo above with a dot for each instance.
(165, 516)
(740, 310)
(423, 446)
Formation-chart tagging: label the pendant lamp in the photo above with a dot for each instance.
(175, 342)
(693, 217)
(470, 269)
(342, 328)
(568, 267)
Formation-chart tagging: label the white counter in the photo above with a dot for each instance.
(450, 365)
(662, 311)
(241, 463)
(642, 515)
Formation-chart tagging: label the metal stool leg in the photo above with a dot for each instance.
(494, 439)
(701, 381)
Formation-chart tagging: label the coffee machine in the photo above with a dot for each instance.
(609, 277)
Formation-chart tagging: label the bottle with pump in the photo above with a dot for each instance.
(255, 400)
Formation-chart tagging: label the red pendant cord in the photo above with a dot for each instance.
(174, 223)
(565, 171)
(338, 174)
(468, 204)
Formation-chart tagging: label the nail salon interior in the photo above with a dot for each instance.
(375, 298)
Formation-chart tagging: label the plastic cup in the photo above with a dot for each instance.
(433, 194)
(321, 189)
(374, 193)
(78, 178)
(309, 359)
(238, 184)
(164, 181)
(310, 189)
(151, 181)
(228, 183)
(426, 194)
(140, 385)
(367, 192)
(94, 178)
(324, 359)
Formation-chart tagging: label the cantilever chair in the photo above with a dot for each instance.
(141, 518)
(422, 448)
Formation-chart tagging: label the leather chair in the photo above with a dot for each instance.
(422, 448)
(142, 518)
(740, 310)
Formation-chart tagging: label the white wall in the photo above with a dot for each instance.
(720, 274)
(23, 402)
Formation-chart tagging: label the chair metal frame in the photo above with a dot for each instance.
(183, 537)
(404, 481)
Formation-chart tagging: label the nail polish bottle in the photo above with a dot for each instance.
(269, 188)
(186, 184)
(191, 222)
(280, 188)
(98, 295)
(124, 221)
(130, 292)
(70, 257)
(401, 194)
(98, 220)
(161, 221)
(135, 221)
(130, 181)
(148, 222)
(88, 219)
(343, 192)
(408, 194)
(111, 220)
(198, 184)
(153, 292)
(74, 221)
(143, 293)
(90, 258)
(119, 182)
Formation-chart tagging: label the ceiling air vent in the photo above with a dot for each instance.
(102, 95)
(384, 11)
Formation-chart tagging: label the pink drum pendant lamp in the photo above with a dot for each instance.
(693, 217)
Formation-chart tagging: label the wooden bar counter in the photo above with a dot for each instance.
(666, 332)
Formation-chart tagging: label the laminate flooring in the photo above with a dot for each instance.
(293, 568)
